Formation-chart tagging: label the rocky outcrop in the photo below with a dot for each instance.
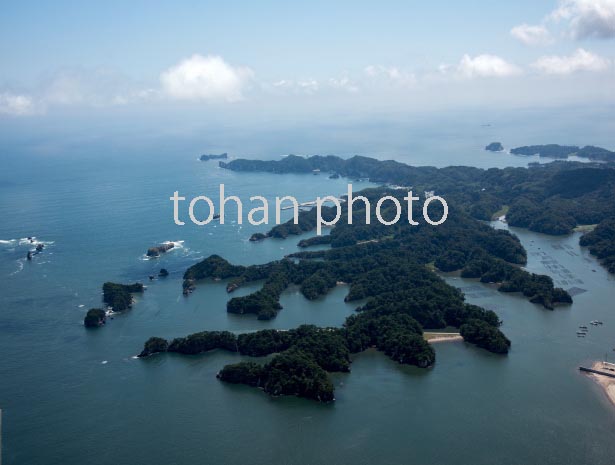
(160, 249)
(163, 272)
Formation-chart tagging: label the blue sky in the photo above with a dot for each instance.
(287, 60)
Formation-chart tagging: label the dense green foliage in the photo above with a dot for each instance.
(316, 240)
(550, 198)
(154, 345)
(601, 243)
(118, 296)
(202, 342)
(538, 288)
(264, 342)
(548, 150)
(402, 296)
(484, 335)
(94, 318)
(291, 373)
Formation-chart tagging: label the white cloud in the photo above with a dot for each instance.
(16, 105)
(580, 60)
(391, 74)
(93, 87)
(531, 35)
(486, 66)
(205, 78)
(344, 83)
(301, 86)
(587, 18)
(309, 85)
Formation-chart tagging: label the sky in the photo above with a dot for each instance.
(269, 62)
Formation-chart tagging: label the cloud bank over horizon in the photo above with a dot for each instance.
(555, 68)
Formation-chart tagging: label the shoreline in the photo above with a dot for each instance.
(432, 337)
(607, 384)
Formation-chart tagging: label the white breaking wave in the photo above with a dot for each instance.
(20, 263)
(176, 244)
(33, 241)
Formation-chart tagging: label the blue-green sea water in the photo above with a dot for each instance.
(73, 396)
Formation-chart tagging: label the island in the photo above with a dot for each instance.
(154, 252)
(495, 147)
(95, 318)
(119, 296)
(564, 151)
(207, 157)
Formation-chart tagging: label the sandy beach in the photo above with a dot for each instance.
(442, 337)
(608, 384)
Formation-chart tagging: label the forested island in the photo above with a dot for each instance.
(118, 297)
(564, 151)
(94, 318)
(495, 147)
(207, 157)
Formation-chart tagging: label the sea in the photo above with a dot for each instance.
(71, 396)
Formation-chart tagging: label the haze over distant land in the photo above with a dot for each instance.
(415, 61)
